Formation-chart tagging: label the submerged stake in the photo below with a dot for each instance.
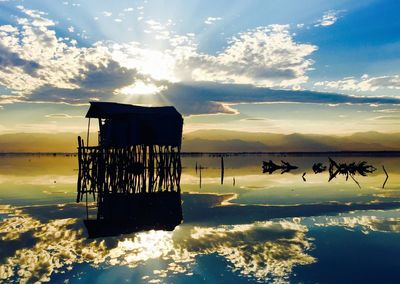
(387, 176)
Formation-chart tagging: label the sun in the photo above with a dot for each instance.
(141, 88)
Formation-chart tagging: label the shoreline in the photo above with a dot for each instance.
(216, 154)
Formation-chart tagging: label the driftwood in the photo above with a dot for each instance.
(349, 170)
(270, 167)
(318, 168)
(387, 177)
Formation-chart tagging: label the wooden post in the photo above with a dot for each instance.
(88, 130)
(387, 177)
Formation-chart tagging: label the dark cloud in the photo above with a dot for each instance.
(94, 82)
(11, 59)
(194, 98)
(108, 76)
(62, 95)
(203, 98)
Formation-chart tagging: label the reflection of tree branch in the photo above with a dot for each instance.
(387, 176)
(355, 181)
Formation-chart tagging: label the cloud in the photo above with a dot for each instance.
(159, 30)
(212, 20)
(386, 117)
(266, 56)
(62, 115)
(363, 84)
(389, 110)
(107, 14)
(10, 60)
(106, 76)
(38, 66)
(328, 19)
(35, 63)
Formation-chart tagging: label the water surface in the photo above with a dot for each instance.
(254, 227)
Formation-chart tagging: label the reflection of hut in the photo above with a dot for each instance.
(134, 172)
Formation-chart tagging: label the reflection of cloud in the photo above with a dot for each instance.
(37, 180)
(57, 248)
(12, 228)
(365, 223)
(258, 250)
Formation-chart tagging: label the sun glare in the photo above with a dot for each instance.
(141, 88)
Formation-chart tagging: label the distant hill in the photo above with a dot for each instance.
(42, 142)
(220, 141)
(215, 140)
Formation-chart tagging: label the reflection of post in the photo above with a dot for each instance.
(151, 168)
(144, 162)
(196, 168)
(200, 175)
(387, 176)
(222, 170)
(234, 181)
(78, 197)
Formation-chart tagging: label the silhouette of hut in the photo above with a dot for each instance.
(134, 172)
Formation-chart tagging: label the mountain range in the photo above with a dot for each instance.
(220, 141)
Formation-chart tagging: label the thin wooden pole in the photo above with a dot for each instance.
(88, 129)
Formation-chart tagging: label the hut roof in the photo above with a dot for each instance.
(117, 110)
(128, 125)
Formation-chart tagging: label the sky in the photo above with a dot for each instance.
(279, 66)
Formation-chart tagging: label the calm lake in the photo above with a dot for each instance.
(294, 227)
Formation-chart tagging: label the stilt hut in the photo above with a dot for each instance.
(133, 174)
